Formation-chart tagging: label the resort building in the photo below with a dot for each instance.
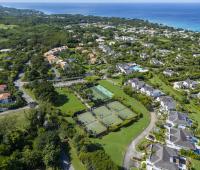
(181, 139)
(179, 119)
(167, 103)
(187, 84)
(129, 68)
(165, 158)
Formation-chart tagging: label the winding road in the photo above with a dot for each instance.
(131, 149)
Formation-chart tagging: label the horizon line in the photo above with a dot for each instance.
(110, 2)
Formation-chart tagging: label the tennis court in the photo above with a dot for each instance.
(126, 114)
(102, 112)
(95, 128)
(99, 92)
(122, 111)
(111, 120)
(86, 118)
(117, 106)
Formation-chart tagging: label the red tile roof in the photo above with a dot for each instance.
(4, 96)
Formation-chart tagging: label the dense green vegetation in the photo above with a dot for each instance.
(36, 138)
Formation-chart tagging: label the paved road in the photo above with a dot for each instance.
(15, 110)
(18, 83)
(66, 165)
(68, 83)
(131, 150)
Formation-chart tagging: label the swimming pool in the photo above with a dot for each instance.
(135, 68)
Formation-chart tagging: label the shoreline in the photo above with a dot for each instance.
(92, 12)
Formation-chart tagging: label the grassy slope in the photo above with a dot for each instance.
(194, 109)
(115, 143)
(68, 102)
(18, 116)
(75, 160)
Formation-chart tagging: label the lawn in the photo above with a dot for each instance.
(166, 88)
(5, 27)
(68, 103)
(77, 164)
(18, 116)
(195, 164)
(115, 143)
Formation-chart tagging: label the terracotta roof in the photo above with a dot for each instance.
(4, 96)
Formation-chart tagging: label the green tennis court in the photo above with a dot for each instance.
(126, 114)
(122, 111)
(111, 120)
(117, 106)
(86, 118)
(99, 92)
(102, 112)
(95, 128)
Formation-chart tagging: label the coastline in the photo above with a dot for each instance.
(187, 19)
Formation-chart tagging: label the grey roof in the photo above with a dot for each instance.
(161, 157)
(137, 82)
(178, 118)
(182, 137)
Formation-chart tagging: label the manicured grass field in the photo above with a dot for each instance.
(68, 103)
(115, 143)
(195, 164)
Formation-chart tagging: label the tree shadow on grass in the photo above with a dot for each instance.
(61, 100)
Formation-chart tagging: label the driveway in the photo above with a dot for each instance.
(131, 150)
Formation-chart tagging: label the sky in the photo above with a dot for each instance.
(108, 1)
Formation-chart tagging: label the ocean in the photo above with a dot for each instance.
(186, 16)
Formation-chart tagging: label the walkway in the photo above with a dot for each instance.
(68, 83)
(131, 150)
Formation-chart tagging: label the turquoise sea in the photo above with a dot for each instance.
(186, 16)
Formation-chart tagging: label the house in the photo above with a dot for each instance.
(190, 84)
(136, 83)
(144, 56)
(129, 68)
(52, 59)
(3, 87)
(181, 139)
(151, 92)
(165, 158)
(156, 62)
(168, 73)
(187, 84)
(5, 98)
(167, 103)
(179, 119)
